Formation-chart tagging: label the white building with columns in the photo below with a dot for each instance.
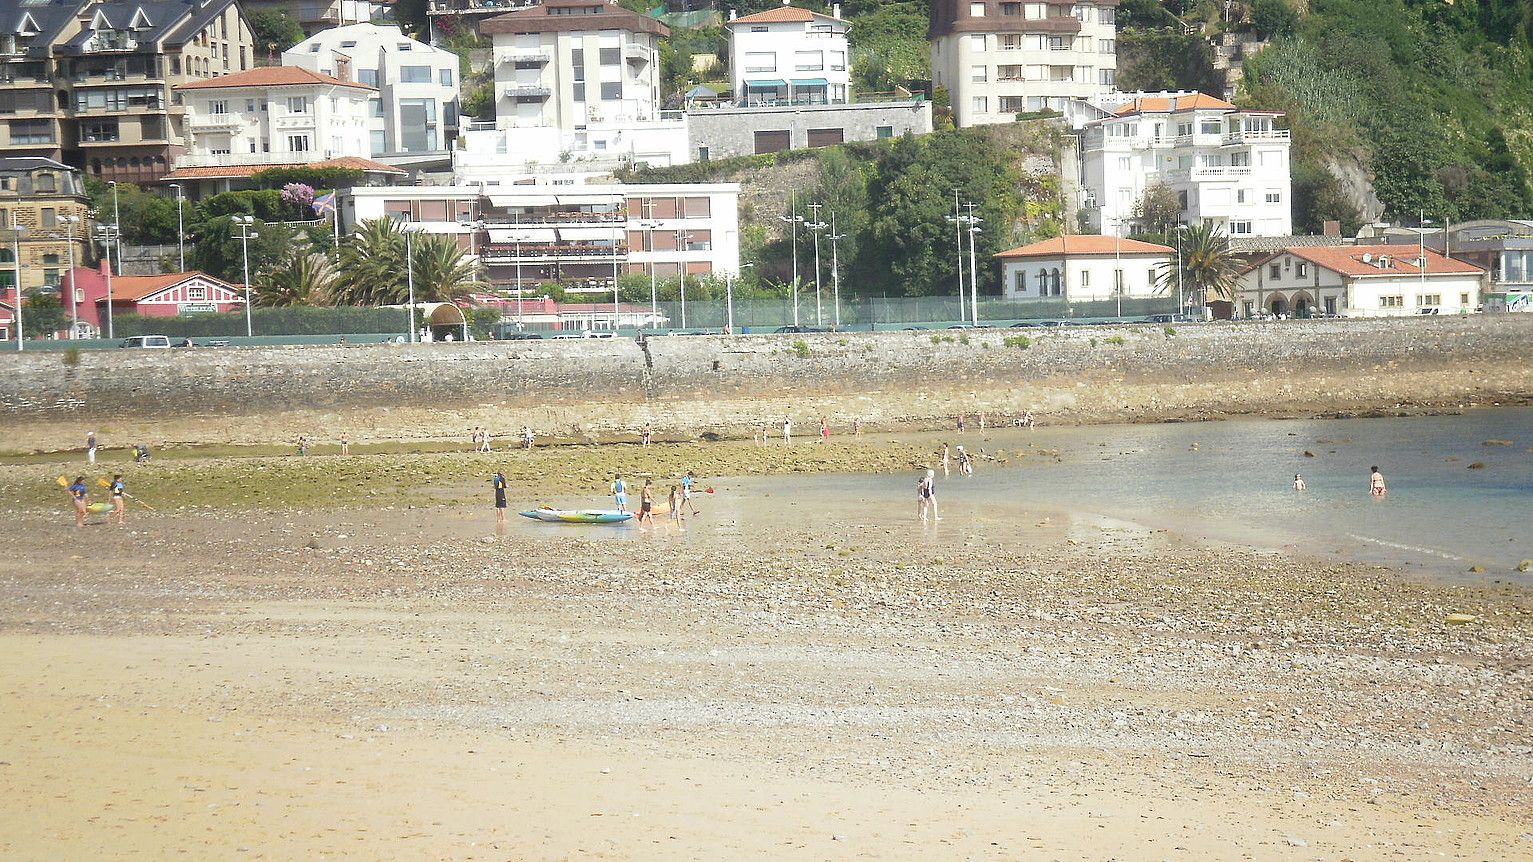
(1085, 268)
(999, 58)
(276, 115)
(1359, 281)
(1225, 165)
(788, 55)
(415, 110)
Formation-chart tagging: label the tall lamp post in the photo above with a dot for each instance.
(835, 273)
(793, 220)
(816, 227)
(729, 298)
(974, 230)
(117, 222)
(246, 235)
(106, 233)
(957, 220)
(654, 288)
(1117, 273)
(1421, 240)
(180, 226)
(410, 278)
(1181, 306)
(16, 231)
(74, 303)
(682, 241)
(618, 235)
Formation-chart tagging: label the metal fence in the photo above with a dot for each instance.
(871, 313)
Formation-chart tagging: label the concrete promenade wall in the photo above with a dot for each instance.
(729, 384)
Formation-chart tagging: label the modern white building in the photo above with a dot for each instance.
(1359, 281)
(1000, 59)
(273, 115)
(1085, 268)
(789, 55)
(1225, 165)
(579, 236)
(415, 110)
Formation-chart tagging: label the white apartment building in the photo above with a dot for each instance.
(273, 116)
(1226, 166)
(999, 59)
(580, 236)
(1359, 281)
(789, 55)
(415, 110)
(1085, 268)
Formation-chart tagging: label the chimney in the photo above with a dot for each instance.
(1331, 228)
(733, 14)
(835, 11)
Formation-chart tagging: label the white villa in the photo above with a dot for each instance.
(273, 115)
(415, 109)
(1359, 281)
(999, 59)
(789, 55)
(1225, 165)
(1084, 268)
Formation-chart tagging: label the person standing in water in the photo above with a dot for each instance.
(674, 499)
(499, 482)
(1376, 482)
(90, 447)
(119, 505)
(686, 491)
(787, 430)
(619, 492)
(1298, 482)
(647, 505)
(926, 496)
(79, 492)
(945, 456)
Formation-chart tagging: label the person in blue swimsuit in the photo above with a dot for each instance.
(686, 492)
(619, 492)
(119, 492)
(500, 497)
(79, 492)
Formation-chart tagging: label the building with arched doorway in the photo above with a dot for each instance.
(1357, 281)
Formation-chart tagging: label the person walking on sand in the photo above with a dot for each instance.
(648, 433)
(981, 420)
(1027, 420)
(473, 439)
(79, 492)
(1298, 482)
(119, 505)
(303, 444)
(527, 437)
(787, 430)
(686, 491)
(647, 505)
(824, 430)
(345, 443)
(90, 447)
(674, 499)
(962, 423)
(499, 484)
(857, 427)
(965, 463)
(1376, 482)
(619, 492)
(484, 439)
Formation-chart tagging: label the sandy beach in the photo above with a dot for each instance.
(290, 674)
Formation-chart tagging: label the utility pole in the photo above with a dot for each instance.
(793, 219)
(816, 226)
(835, 272)
(974, 222)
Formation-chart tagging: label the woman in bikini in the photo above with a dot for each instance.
(1376, 482)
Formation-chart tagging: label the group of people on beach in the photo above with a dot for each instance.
(678, 501)
(1376, 486)
(763, 437)
(79, 494)
(481, 438)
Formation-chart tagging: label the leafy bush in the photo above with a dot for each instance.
(1020, 342)
(319, 178)
(800, 348)
(1115, 340)
(267, 321)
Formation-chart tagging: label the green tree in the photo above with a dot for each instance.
(273, 31)
(1273, 19)
(148, 218)
(42, 315)
(442, 272)
(844, 193)
(303, 278)
(1158, 208)
(220, 252)
(1208, 268)
(479, 101)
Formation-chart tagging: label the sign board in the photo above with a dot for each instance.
(198, 308)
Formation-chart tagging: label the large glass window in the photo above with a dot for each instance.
(415, 74)
(40, 131)
(368, 77)
(96, 131)
(444, 77)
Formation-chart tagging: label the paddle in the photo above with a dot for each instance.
(105, 484)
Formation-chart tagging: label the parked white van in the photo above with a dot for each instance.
(150, 341)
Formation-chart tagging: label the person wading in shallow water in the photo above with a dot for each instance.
(499, 483)
(1376, 482)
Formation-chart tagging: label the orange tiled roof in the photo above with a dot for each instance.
(1173, 104)
(776, 15)
(1348, 260)
(1085, 245)
(132, 288)
(356, 163)
(270, 76)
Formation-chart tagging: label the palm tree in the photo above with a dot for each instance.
(372, 267)
(1208, 268)
(304, 277)
(442, 272)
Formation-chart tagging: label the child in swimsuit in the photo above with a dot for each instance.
(119, 505)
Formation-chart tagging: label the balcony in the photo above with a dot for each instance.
(636, 54)
(223, 160)
(534, 253)
(526, 57)
(293, 122)
(1244, 136)
(528, 94)
(208, 122)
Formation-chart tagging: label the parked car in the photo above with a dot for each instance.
(152, 342)
(802, 329)
(522, 336)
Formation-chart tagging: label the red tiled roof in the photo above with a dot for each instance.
(1082, 245)
(1348, 260)
(270, 76)
(356, 163)
(132, 288)
(1173, 104)
(776, 15)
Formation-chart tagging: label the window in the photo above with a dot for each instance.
(881, 132)
(92, 131)
(1117, 282)
(250, 106)
(368, 77)
(50, 217)
(1210, 127)
(297, 143)
(1463, 299)
(1274, 272)
(415, 74)
(1429, 299)
(1391, 302)
(196, 294)
(826, 137)
(1021, 273)
(976, 10)
(1274, 197)
(1240, 228)
(1011, 10)
(808, 61)
(376, 143)
(759, 28)
(979, 74)
(702, 153)
(611, 90)
(1301, 270)
(41, 131)
(1034, 11)
(1061, 43)
(298, 105)
(838, 61)
(1107, 15)
(444, 77)
(1010, 42)
(760, 61)
(1107, 46)
(1012, 104)
(1240, 160)
(579, 91)
(218, 106)
(1183, 130)
(610, 56)
(976, 41)
(1086, 278)
(1240, 196)
(980, 105)
(375, 107)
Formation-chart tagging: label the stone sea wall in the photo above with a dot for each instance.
(695, 383)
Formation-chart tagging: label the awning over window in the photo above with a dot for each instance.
(810, 82)
(589, 200)
(524, 234)
(592, 234)
(766, 85)
(522, 200)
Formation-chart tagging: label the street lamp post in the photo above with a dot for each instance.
(957, 220)
(793, 220)
(1117, 273)
(246, 235)
(410, 279)
(180, 226)
(815, 227)
(74, 303)
(682, 241)
(1421, 239)
(105, 233)
(16, 231)
(618, 233)
(654, 287)
(729, 299)
(974, 229)
(117, 223)
(835, 272)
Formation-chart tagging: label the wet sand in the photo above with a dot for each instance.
(793, 677)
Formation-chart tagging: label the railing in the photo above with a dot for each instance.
(215, 121)
(1257, 135)
(472, 7)
(560, 218)
(500, 254)
(636, 53)
(221, 160)
(528, 92)
(526, 57)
